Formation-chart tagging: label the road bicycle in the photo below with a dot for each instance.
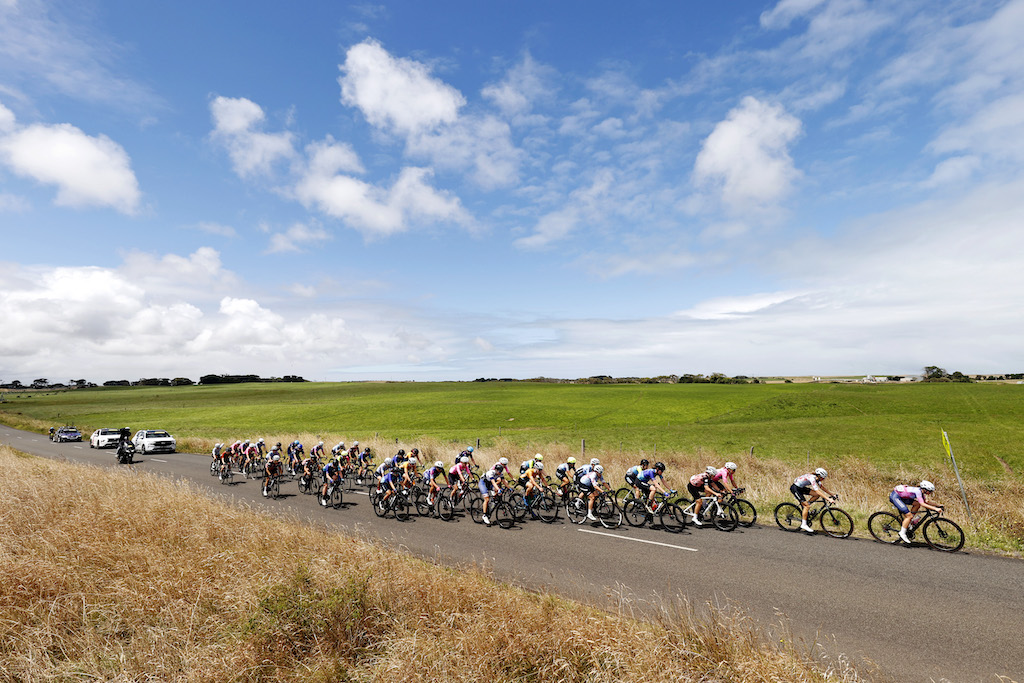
(398, 503)
(539, 504)
(225, 475)
(721, 514)
(272, 487)
(637, 512)
(499, 510)
(333, 497)
(308, 483)
(605, 510)
(744, 508)
(834, 521)
(939, 532)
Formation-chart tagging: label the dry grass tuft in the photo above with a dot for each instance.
(119, 576)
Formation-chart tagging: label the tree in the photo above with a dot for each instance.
(933, 373)
(182, 382)
(40, 383)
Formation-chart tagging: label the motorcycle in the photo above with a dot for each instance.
(125, 452)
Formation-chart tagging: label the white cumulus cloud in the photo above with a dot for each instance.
(237, 125)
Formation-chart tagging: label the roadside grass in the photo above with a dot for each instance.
(119, 575)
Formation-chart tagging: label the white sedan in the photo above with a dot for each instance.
(105, 438)
(153, 441)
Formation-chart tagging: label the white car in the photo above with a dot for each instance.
(153, 441)
(105, 438)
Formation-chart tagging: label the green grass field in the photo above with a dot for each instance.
(883, 424)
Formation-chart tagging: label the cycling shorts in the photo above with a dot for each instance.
(485, 487)
(801, 492)
(900, 504)
(633, 481)
(695, 491)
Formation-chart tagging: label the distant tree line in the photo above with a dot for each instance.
(43, 383)
(713, 378)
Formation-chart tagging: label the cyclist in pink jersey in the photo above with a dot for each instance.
(910, 499)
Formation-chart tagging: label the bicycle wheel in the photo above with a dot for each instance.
(375, 501)
(214, 468)
(836, 523)
(400, 505)
(944, 534)
(607, 512)
(305, 486)
(546, 507)
(518, 505)
(671, 518)
(576, 510)
(788, 517)
(635, 512)
(335, 501)
(746, 511)
(885, 527)
(476, 510)
(419, 500)
(274, 489)
(726, 518)
(444, 508)
(622, 495)
(504, 515)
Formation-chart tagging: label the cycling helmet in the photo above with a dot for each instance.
(355, 443)
(261, 440)
(295, 443)
(571, 460)
(710, 469)
(415, 451)
(821, 472)
(538, 465)
(389, 462)
(341, 444)
(464, 458)
(503, 461)
(470, 449)
(278, 445)
(412, 460)
(730, 466)
(599, 469)
(594, 461)
(320, 444)
(438, 464)
(644, 463)
(538, 457)
(927, 486)
(401, 451)
(660, 466)
(277, 458)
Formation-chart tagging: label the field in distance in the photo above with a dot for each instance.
(883, 424)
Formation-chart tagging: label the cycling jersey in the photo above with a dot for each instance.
(459, 467)
(807, 481)
(390, 479)
(647, 476)
(722, 475)
(533, 472)
(700, 480)
(591, 480)
(904, 492)
(433, 473)
(562, 471)
(583, 470)
(274, 468)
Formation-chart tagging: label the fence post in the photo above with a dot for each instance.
(583, 446)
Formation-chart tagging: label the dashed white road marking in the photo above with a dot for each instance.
(638, 540)
(158, 460)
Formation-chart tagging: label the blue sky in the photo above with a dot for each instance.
(452, 190)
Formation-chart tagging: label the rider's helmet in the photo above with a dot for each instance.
(821, 472)
(320, 444)
(927, 486)
(538, 457)
(415, 451)
(599, 469)
(278, 445)
(644, 463)
(464, 458)
(261, 440)
(730, 466)
(355, 443)
(571, 460)
(660, 466)
(594, 461)
(295, 443)
(503, 461)
(538, 465)
(412, 460)
(438, 464)
(470, 449)
(389, 462)
(277, 458)
(711, 470)
(401, 451)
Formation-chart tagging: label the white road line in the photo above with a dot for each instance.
(158, 460)
(638, 540)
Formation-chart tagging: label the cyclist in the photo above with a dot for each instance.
(468, 453)
(431, 475)
(295, 452)
(272, 470)
(389, 485)
(651, 481)
(703, 484)
(458, 474)
(317, 450)
(310, 465)
(916, 498)
(501, 467)
(807, 489)
(590, 485)
(261, 445)
(338, 449)
(383, 469)
(332, 477)
(633, 472)
(492, 482)
(533, 479)
(399, 458)
(565, 473)
(727, 473)
(225, 458)
(527, 464)
(586, 469)
(364, 463)
(217, 448)
(250, 455)
(408, 471)
(353, 452)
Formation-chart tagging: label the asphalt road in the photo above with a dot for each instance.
(916, 614)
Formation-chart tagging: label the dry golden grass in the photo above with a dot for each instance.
(122, 576)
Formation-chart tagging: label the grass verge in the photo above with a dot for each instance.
(131, 577)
